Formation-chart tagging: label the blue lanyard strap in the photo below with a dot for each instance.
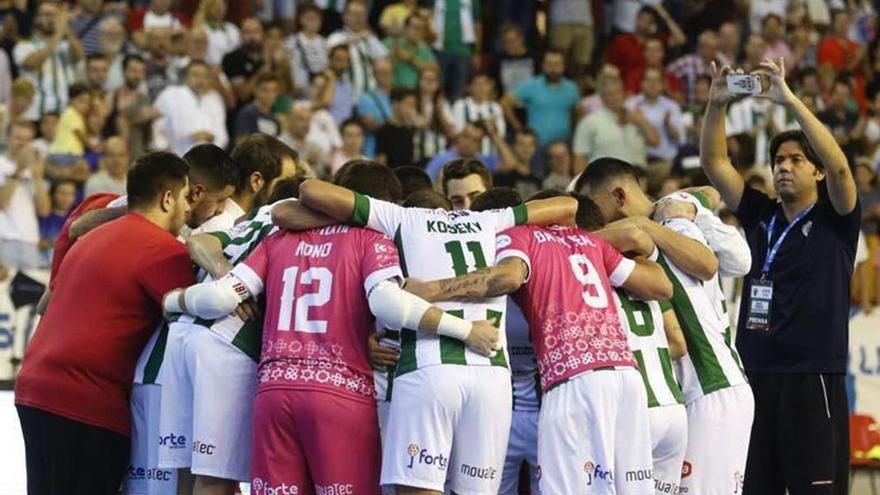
(774, 250)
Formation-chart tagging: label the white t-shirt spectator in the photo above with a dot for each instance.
(309, 56)
(101, 181)
(222, 39)
(656, 113)
(759, 9)
(184, 114)
(18, 221)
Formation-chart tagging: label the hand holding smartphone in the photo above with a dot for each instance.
(749, 84)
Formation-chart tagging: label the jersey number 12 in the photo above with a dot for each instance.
(318, 276)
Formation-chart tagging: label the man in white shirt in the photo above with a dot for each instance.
(23, 197)
(48, 58)
(663, 113)
(114, 169)
(193, 113)
(364, 46)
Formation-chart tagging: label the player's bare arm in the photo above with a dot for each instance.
(504, 278)
(552, 211)
(94, 219)
(381, 357)
(206, 251)
(628, 239)
(331, 200)
(691, 256)
(841, 185)
(293, 215)
(674, 335)
(648, 281)
(713, 141)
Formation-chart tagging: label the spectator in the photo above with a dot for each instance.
(46, 134)
(23, 198)
(97, 73)
(869, 198)
(773, 32)
(131, 113)
(664, 115)
(613, 132)
(842, 118)
(729, 43)
(549, 100)
(242, 64)
(626, 50)
(112, 39)
(690, 67)
(47, 58)
(86, 24)
(515, 169)
(467, 146)
(654, 55)
(754, 52)
(161, 72)
(409, 52)
(395, 16)
(760, 9)
(609, 75)
(16, 20)
(571, 32)
(433, 117)
(113, 169)
(71, 137)
(300, 136)
(338, 95)
(374, 108)
(63, 197)
(157, 15)
(396, 137)
(459, 35)
(192, 113)
(223, 36)
(515, 63)
(257, 115)
(21, 96)
(836, 49)
(364, 46)
(480, 107)
(561, 166)
(352, 145)
(308, 49)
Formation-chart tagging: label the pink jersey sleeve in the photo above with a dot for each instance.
(380, 260)
(617, 267)
(514, 243)
(252, 272)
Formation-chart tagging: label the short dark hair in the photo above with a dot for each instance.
(462, 167)
(399, 93)
(602, 170)
(194, 63)
(151, 175)
(336, 49)
(526, 132)
(369, 178)
(428, 198)
(210, 165)
(553, 51)
(769, 17)
(496, 198)
(588, 216)
(58, 183)
(413, 179)
(132, 57)
(266, 77)
(800, 138)
(351, 121)
(286, 189)
(96, 56)
(260, 153)
(77, 89)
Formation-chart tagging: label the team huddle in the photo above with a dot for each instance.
(605, 373)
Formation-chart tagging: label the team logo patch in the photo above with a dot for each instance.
(260, 487)
(380, 248)
(807, 228)
(502, 241)
(412, 450)
(418, 455)
(686, 469)
(596, 472)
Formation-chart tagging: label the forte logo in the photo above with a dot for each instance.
(596, 472)
(421, 456)
(173, 441)
(260, 487)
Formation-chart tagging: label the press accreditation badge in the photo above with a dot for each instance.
(760, 297)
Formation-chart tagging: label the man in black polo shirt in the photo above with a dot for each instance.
(794, 320)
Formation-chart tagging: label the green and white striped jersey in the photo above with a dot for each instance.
(711, 362)
(439, 244)
(646, 334)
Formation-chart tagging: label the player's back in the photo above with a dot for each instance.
(317, 318)
(567, 299)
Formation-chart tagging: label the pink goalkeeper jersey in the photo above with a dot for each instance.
(567, 299)
(317, 318)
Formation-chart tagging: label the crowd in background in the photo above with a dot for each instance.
(534, 89)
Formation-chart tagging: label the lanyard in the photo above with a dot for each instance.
(773, 251)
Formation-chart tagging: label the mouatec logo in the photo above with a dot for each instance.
(260, 487)
(173, 441)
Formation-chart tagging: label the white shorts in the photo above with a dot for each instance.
(594, 436)
(380, 382)
(522, 446)
(207, 405)
(144, 476)
(668, 444)
(448, 421)
(719, 427)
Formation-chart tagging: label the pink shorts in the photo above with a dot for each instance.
(309, 442)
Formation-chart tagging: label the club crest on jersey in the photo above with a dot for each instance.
(596, 472)
(380, 248)
(421, 456)
(502, 241)
(686, 469)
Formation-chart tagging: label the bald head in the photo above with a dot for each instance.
(707, 45)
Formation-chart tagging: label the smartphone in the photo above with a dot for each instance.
(749, 84)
